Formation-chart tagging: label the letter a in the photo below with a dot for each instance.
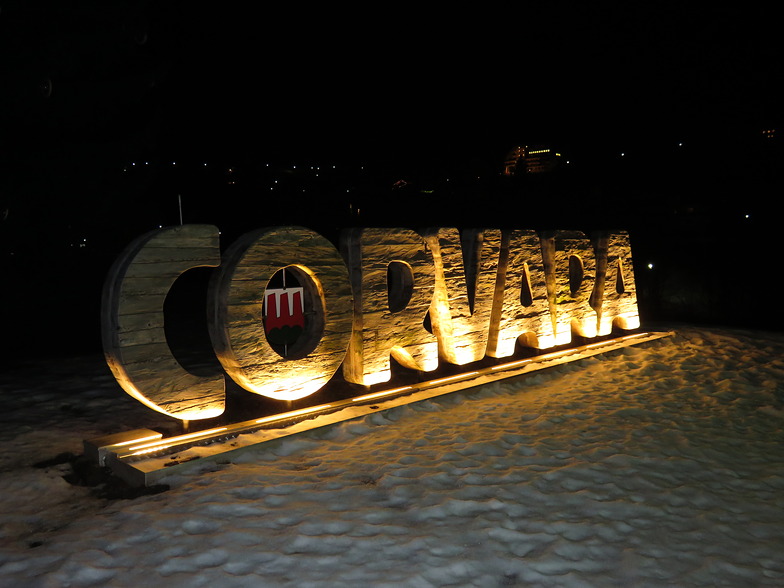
(615, 294)
(520, 308)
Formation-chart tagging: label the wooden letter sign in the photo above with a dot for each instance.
(419, 298)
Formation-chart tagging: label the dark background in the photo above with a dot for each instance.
(109, 112)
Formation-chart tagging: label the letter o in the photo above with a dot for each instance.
(236, 324)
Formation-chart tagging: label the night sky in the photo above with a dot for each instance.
(110, 110)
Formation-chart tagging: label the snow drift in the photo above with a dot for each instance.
(656, 465)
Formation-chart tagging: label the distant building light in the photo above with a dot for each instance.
(539, 159)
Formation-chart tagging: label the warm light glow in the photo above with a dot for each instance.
(520, 304)
(131, 465)
(463, 356)
(485, 293)
(462, 305)
(164, 443)
(511, 364)
(238, 329)
(133, 333)
(619, 295)
(381, 394)
(139, 440)
(553, 355)
(378, 377)
(393, 283)
(193, 413)
(294, 413)
(452, 378)
(571, 268)
(634, 336)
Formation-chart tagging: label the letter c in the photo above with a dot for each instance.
(132, 330)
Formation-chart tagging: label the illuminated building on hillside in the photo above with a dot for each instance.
(530, 160)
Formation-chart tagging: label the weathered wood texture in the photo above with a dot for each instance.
(570, 264)
(465, 276)
(381, 331)
(485, 291)
(616, 292)
(520, 306)
(236, 300)
(133, 323)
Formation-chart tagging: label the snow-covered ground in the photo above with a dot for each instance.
(657, 465)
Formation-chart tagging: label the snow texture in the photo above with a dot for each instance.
(656, 465)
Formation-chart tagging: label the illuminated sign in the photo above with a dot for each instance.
(420, 298)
